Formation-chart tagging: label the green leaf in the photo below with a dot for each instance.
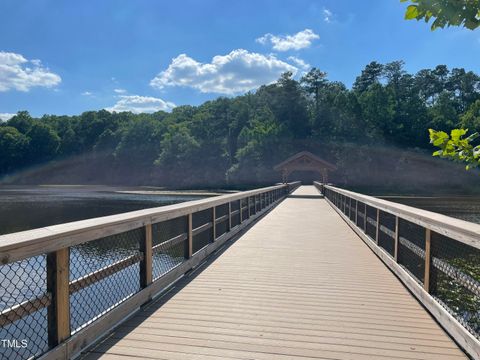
(412, 12)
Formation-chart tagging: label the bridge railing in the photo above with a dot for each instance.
(436, 256)
(63, 286)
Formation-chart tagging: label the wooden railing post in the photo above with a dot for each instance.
(397, 238)
(229, 216)
(365, 219)
(58, 313)
(214, 224)
(426, 280)
(356, 212)
(240, 210)
(350, 208)
(377, 234)
(248, 205)
(189, 243)
(146, 264)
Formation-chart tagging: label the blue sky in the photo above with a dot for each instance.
(66, 57)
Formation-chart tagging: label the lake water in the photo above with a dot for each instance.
(465, 208)
(24, 208)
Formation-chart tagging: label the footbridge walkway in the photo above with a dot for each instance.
(284, 272)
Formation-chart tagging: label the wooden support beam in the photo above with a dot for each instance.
(356, 212)
(397, 237)
(189, 242)
(58, 313)
(229, 226)
(428, 240)
(214, 225)
(240, 209)
(146, 266)
(365, 220)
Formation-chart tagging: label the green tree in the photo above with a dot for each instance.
(445, 12)
(13, 146)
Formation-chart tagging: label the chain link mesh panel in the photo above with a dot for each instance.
(353, 209)
(23, 304)
(455, 279)
(169, 239)
(221, 211)
(202, 239)
(235, 205)
(252, 205)
(386, 235)
(102, 289)
(360, 215)
(411, 248)
(244, 204)
(371, 230)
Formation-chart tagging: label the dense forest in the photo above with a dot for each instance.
(376, 133)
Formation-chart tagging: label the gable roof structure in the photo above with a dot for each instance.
(314, 161)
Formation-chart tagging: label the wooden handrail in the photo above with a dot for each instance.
(56, 241)
(25, 244)
(460, 230)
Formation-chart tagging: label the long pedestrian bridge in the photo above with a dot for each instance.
(283, 272)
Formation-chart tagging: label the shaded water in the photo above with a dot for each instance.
(25, 208)
(465, 208)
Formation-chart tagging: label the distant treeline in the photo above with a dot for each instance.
(376, 132)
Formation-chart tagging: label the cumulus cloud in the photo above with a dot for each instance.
(120, 91)
(141, 104)
(87, 93)
(300, 40)
(18, 73)
(300, 63)
(238, 71)
(6, 116)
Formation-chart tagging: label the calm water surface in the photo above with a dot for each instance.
(25, 208)
(465, 208)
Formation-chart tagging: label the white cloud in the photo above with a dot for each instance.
(300, 63)
(18, 73)
(300, 40)
(87, 93)
(6, 116)
(238, 71)
(327, 15)
(120, 91)
(141, 104)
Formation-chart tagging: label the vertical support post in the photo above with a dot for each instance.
(365, 219)
(248, 205)
(356, 212)
(378, 226)
(428, 240)
(214, 224)
(229, 216)
(240, 210)
(146, 264)
(189, 244)
(350, 208)
(397, 237)
(58, 313)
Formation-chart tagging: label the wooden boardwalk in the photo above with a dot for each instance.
(298, 284)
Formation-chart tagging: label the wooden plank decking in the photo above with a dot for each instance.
(298, 284)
